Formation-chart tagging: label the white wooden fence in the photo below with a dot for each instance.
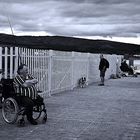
(55, 70)
(8, 61)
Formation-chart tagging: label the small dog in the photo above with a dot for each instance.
(82, 82)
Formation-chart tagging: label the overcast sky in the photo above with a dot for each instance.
(80, 18)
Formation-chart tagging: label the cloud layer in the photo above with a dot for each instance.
(72, 17)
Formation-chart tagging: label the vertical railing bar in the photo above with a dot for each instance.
(33, 61)
(28, 58)
(36, 66)
(16, 60)
(0, 62)
(43, 66)
(25, 55)
(11, 62)
(88, 56)
(29, 61)
(72, 71)
(6, 63)
(50, 71)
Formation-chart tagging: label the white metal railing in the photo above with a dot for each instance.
(56, 71)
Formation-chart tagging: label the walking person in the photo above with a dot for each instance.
(103, 65)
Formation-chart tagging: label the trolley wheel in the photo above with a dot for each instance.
(36, 113)
(10, 110)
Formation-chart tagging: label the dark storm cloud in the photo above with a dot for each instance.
(73, 17)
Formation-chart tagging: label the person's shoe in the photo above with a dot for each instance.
(32, 121)
(101, 85)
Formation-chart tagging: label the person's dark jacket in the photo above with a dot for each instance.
(125, 68)
(104, 64)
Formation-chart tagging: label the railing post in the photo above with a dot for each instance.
(72, 71)
(11, 62)
(88, 56)
(16, 60)
(6, 63)
(50, 71)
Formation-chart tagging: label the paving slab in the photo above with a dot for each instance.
(110, 112)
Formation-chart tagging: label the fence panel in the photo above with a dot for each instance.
(80, 67)
(37, 62)
(55, 70)
(61, 73)
(8, 61)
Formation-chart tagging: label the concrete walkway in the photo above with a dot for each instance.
(111, 112)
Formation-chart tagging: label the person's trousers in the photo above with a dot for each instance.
(102, 75)
(28, 103)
